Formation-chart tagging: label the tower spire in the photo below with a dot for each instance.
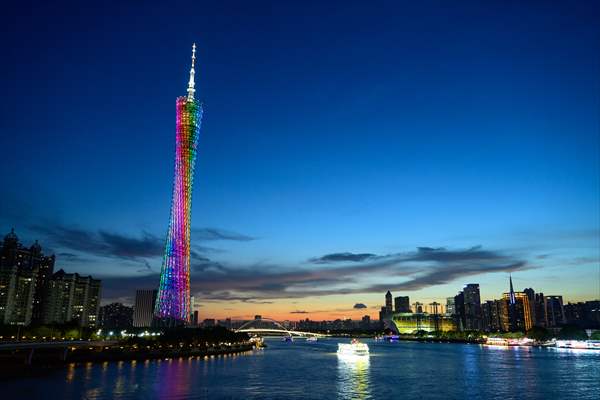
(192, 82)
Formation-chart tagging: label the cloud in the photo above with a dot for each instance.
(341, 257)
(424, 267)
(214, 281)
(219, 234)
(101, 243)
(299, 312)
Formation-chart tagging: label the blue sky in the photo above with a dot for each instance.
(335, 128)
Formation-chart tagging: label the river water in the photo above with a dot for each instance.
(304, 370)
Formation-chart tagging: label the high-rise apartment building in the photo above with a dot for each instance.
(24, 276)
(71, 297)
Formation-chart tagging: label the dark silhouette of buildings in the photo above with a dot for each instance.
(115, 316)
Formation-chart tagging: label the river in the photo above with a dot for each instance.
(304, 370)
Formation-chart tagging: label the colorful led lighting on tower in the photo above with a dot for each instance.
(173, 300)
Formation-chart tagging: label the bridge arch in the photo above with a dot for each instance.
(246, 327)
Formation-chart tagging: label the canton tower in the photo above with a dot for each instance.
(173, 300)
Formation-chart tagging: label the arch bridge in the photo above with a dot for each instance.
(268, 326)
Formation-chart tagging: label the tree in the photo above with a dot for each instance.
(572, 332)
(538, 333)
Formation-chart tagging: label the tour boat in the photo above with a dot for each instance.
(355, 348)
(578, 344)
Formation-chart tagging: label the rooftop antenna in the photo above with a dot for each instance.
(192, 83)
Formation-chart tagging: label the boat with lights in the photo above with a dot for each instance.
(354, 348)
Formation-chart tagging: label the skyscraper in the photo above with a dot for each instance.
(531, 295)
(459, 311)
(173, 301)
(472, 306)
(491, 315)
(555, 311)
(401, 304)
(519, 312)
(143, 307)
(450, 306)
(388, 302)
(541, 317)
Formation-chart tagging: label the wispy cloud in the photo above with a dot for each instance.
(204, 234)
(101, 243)
(359, 306)
(342, 257)
(424, 267)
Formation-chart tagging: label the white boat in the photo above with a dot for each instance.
(578, 344)
(311, 339)
(354, 348)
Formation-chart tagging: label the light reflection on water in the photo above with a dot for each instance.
(303, 370)
(353, 377)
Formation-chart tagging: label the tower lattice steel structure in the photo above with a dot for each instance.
(173, 300)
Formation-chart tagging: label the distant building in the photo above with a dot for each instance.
(71, 297)
(208, 323)
(555, 311)
(450, 311)
(115, 316)
(472, 307)
(505, 315)
(413, 322)
(520, 312)
(143, 308)
(459, 311)
(383, 315)
(592, 313)
(401, 304)
(531, 296)
(388, 303)
(491, 312)
(541, 314)
(417, 307)
(365, 322)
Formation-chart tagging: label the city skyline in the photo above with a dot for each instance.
(324, 183)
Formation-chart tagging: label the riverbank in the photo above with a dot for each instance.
(25, 362)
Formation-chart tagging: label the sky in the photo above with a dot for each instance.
(346, 148)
